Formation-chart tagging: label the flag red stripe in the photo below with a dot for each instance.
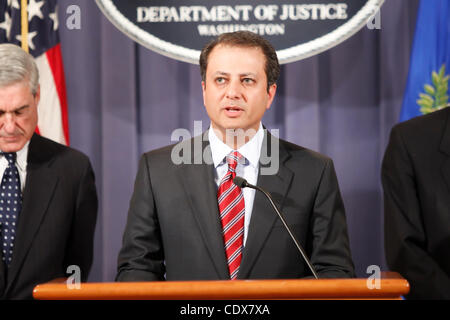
(55, 61)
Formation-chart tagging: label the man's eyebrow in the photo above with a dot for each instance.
(16, 110)
(244, 74)
(21, 108)
(221, 73)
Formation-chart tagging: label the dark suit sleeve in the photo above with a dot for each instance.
(141, 256)
(405, 239)
(331, 254)
(80, 245)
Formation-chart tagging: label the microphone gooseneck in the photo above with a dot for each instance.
(242, 183)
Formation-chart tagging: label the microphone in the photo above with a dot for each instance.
(242, 183)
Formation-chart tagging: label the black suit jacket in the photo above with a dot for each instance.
(174, 232)
(416, 181)
(56, 224)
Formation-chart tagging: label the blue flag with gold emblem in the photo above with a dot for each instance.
(427, 84)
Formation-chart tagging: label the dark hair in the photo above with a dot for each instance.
(244, 39)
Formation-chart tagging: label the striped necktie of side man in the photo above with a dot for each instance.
(232, 210)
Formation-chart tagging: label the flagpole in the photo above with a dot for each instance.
(24, 24)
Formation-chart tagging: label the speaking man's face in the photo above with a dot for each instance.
(235, 88)
(18, 116)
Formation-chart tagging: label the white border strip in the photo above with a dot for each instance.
(292, 54)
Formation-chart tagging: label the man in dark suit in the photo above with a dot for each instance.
(187, 221)
(416, 182)
(48, 199)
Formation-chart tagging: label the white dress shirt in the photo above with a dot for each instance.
(247, 168)
(21, 164)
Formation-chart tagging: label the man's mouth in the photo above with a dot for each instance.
(233, 111)
(9, 138)
(233, 108)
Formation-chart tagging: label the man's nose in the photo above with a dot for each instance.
(9, 123)
(234, 90)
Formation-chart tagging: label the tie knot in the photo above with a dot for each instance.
(10, 156)
(232, 159)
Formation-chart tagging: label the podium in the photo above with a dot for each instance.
(390, 286)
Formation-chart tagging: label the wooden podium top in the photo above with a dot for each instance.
(390, 286)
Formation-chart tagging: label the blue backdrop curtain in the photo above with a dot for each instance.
(125, 99)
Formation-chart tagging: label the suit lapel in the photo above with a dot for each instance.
(263, 216)
(39, 187)
(445, 148)
(203, 201)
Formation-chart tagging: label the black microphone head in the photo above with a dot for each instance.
(240, 182)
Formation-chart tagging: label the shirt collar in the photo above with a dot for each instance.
(250, 151)
(22, 156)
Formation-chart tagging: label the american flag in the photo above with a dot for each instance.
(44, 46)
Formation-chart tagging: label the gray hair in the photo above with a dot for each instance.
(16, 65)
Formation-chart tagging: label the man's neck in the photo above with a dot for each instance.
(235, 138)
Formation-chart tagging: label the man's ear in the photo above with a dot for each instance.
(271, 94)
(203, 92)
(37, 96)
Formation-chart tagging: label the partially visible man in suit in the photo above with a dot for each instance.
(416, 182)
(188, 221)
(48, 199)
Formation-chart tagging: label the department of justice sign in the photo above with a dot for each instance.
(298, 29)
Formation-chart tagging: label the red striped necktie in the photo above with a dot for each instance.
(232, 209)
